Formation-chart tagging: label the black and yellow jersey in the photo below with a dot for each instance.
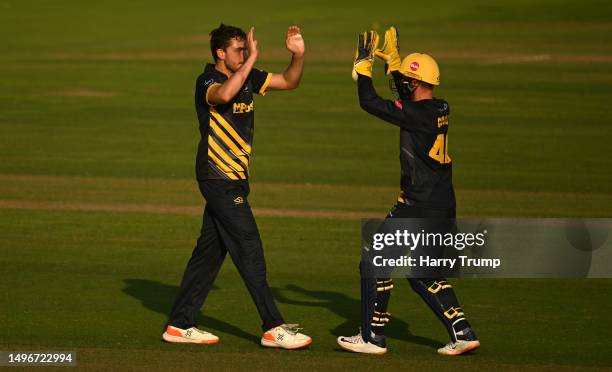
(226, 130)
(426, 167)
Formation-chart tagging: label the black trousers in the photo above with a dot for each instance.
(228, 226)
(436, 292)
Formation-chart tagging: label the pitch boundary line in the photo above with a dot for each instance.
(273, 185)
(179, 209)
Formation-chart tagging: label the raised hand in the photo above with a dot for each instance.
(389, 52)
(294, 41)
(364, 56)
(252, 43)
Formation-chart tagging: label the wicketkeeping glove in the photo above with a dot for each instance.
(364, 56)
(390, 51)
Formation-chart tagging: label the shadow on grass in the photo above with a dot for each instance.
(159, 297)
(349, 309)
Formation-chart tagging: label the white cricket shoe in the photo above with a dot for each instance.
(459, 347)
(285, 336)
(356, 344)
(191, 335)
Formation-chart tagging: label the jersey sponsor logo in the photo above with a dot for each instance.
(414, 66)
(242, 108)
(208, 82)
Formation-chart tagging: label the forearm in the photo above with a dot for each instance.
(293, 73)
(232, 86)
(373, 104)
(367, 93)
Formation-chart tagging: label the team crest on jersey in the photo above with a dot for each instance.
(241, 108)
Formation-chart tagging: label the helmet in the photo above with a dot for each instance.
(421, 66)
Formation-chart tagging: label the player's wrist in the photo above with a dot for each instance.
(252, 56)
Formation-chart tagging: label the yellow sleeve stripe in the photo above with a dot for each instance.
(215, 146)
(263, 88)
(208, 91)
(229, 143)
(228, 127)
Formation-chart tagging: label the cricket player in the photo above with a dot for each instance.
(224, 105)
(426, 185)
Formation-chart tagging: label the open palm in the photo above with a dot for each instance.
(294, 41)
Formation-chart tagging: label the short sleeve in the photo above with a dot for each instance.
(260, 80)
(204, 83)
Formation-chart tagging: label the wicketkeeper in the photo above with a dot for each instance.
(426, 185)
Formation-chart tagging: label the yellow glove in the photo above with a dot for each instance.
(390, 51)
(364, 56)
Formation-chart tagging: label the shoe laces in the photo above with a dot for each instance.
(292, 329)
(201, 331)
(451, 345)
(357, 339)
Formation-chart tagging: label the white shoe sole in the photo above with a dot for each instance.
(182, 340)
(458, 351)
(366, 349)
(272, 344)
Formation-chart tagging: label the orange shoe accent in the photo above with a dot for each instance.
(307, 343)
(268, 336)
(173, 332)
(210, 342)
(473, 346)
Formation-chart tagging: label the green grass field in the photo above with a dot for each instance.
(99, 209)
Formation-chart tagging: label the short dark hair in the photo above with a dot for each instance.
(221, 36)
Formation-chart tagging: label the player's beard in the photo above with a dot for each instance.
(233, 67)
